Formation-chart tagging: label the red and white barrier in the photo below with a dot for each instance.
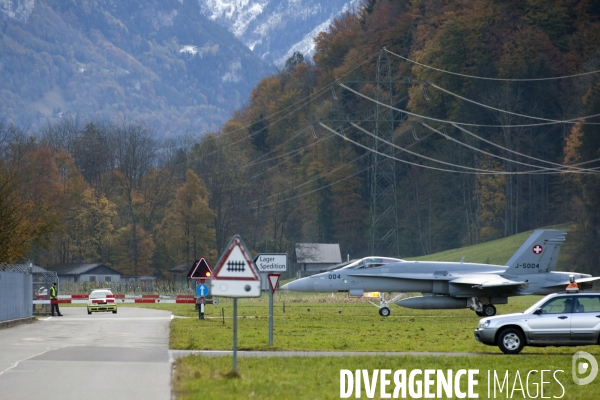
(120, 299)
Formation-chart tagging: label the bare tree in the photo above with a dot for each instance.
(135, 154)
(61, 135)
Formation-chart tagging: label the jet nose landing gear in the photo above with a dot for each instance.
(384, 311)
(384, 305)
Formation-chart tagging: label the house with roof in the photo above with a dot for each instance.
(85, 272)
(311, 258)
(41, 278)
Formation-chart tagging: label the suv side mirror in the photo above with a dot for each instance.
(538, 311)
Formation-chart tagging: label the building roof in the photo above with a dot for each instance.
(78, 269)
(34, 268)
(318, 253)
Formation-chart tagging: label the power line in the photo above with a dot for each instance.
(314, 190)
(412, 152)
(570, 121)
(566, 166)
(473, 171)
(492, 79)
(317, 177)
(510, 112)
(298, 132)
(291, 152)
(540, 168)
(268, 125)
(410, 162)
(307, 98)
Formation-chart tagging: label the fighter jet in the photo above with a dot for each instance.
(452, 285)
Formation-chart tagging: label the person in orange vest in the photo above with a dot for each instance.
(572, 286)
(54, 299)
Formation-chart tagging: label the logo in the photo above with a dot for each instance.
(582, 362)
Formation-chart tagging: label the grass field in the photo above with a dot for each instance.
(319, 378)
(336, 324)
(342, 324)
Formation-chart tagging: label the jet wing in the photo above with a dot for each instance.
(416, 276)
(582, 280)
(479, 281)
(484, 281)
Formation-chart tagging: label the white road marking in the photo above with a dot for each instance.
(25, 359)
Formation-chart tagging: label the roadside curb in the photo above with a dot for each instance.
(15, 322)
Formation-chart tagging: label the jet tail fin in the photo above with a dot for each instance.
(538, 253)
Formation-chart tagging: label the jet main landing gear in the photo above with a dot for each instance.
(482, 310)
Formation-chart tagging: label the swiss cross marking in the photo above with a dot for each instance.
(236, 266)
(537, 249)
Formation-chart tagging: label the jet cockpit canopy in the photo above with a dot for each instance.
(370, 262)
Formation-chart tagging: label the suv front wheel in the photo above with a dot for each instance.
(511, 341)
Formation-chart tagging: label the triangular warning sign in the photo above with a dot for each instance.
(200, 270)
(273, 281)
(235, 263)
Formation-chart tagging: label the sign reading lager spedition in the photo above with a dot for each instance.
(271, 262)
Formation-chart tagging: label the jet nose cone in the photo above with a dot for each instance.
(299, 285)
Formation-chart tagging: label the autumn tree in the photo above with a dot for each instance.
(93, 229)
(491, 199)
(187, 229)
(16, 234)
(132, 253)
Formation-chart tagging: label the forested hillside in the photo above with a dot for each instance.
(491, 112)
(158, 62)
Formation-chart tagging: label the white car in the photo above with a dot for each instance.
(102, 300)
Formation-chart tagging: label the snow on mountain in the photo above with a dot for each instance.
(16, 9)
(274, 29)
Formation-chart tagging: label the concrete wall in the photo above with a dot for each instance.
(16, 295)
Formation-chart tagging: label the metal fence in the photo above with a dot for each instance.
(159, 286)
(16, 294)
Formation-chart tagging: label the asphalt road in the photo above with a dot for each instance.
(79, 356)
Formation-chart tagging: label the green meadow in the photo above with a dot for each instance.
(319, 378)
(341, 324)
(335, 324)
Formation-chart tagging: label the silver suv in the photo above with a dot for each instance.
(560, 319)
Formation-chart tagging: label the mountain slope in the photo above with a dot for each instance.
(274, 29)
(160, 61)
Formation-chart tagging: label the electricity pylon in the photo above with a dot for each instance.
(383, 232)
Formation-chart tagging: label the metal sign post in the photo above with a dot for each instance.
(271, 318)
(200, 272)
(235, 334)
(202, 291)
(273, 281)
(266, 264)
(235, 276)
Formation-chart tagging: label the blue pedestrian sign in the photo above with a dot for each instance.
(202, 290)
